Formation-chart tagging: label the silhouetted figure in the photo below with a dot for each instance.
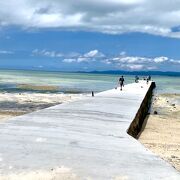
(148, 79)
(136, 79)
(121, 82)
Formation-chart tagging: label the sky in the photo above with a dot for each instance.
(88, 35)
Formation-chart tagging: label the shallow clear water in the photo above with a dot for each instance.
(75, 82)
(167, 84)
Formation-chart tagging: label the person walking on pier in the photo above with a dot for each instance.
(121, 82)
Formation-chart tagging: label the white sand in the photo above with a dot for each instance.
(162, 131)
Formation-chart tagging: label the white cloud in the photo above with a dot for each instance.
(90, 56)
(82, 59)
(122, 61)
(94, 53)
(131, 59)
(160, 59)
(133, 67)
(73, 55)
(69, 60)
(108, 16)
(139, 63)
(6, 52)
(174, 61)
(128, 60)
(139, 60)
(46, 53)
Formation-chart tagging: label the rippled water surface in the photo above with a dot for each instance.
(51, 82)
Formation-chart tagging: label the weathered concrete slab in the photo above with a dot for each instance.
(88, 136)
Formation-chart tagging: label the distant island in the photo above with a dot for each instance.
(142, 73)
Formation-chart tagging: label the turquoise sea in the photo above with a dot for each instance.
(12, 81)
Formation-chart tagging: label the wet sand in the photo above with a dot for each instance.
(15, 104)
(162, 128)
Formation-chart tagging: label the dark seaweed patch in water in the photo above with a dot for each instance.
(24, 90)
(19, 90)
(26, 107)
(29, 88)
(37, 88)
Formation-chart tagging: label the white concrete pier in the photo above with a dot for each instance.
(88, 136)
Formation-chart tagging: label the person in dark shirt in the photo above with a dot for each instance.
(148, 79)
(121, 82)
(136, 79)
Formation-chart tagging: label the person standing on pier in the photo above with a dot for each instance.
(121, 82)
(148, 79)
(136, 79)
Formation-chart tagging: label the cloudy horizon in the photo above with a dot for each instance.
(90, 35)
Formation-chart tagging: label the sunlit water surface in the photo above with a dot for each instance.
(17, 80)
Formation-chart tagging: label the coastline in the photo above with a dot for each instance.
(160, 132)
